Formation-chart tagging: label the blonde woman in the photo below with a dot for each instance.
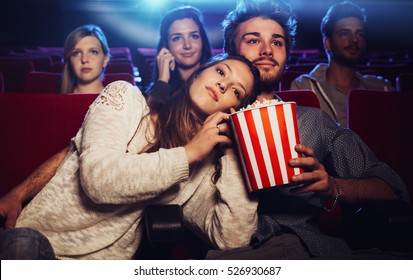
(86, 54)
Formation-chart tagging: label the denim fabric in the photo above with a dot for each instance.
(24, 244)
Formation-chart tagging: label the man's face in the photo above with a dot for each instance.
(262, 41)
(348, 44)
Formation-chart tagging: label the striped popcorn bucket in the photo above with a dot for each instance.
(265, 139)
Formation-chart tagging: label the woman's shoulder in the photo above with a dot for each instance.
(119, 93)
(122, 87)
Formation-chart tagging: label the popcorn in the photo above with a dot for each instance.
(265, 134)
(263, 103)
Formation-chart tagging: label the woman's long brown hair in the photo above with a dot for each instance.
(175, 122)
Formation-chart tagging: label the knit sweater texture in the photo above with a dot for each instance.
(92, 208)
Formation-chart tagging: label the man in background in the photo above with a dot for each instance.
(343, 31)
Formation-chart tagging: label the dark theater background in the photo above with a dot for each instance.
(29, 24)
(134, 23)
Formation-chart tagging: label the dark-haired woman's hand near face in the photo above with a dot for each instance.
(166, 64)
(213, 132)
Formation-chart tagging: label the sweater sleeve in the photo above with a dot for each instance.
(108, 172)
(224, 213)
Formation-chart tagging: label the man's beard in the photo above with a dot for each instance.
(268, 79)
(350, 62)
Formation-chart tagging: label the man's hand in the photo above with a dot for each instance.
(314, 177)
(10, 209)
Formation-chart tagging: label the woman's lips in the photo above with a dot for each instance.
(86, 70)
(187, 54)
(212, 93)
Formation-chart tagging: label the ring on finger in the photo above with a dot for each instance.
(219, 130)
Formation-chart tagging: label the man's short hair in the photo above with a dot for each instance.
(338, 11)
(278, 11)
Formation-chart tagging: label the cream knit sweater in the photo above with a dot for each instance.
(92, 208)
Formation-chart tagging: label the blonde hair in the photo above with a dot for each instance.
(69, 80)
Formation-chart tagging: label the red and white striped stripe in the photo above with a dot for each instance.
(266, 138)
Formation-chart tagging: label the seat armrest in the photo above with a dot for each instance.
(164, 225)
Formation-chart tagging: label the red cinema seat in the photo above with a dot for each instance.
(38, 126)
(119, 67)
(288, 78)
(14, 74)
(303, 97)
(383, 121)
(112, 77)
(42, 82)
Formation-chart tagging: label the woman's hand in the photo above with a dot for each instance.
(166, 64)
(314, 177)
(215, 130)
(226, 130)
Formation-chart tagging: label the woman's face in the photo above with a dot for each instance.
(185, 42)
(88, 60)
(221, 87)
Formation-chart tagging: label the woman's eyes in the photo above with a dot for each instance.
(77, 53)
(220, 72)
(236, 92)
(177, 38)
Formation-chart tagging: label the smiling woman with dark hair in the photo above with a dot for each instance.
(183, 46)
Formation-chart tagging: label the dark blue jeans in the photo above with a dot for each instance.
(24, 244)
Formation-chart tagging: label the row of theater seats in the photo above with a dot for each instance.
(16, 63)
(397, 68)
(45, 82)
(49, 81)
